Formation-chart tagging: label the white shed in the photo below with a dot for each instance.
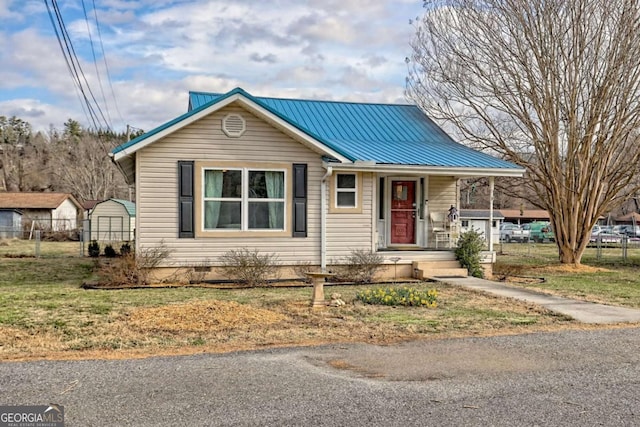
(478, 220)
(113, 220)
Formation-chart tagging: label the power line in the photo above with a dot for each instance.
(104, 58)
(75, 70)
(74, 67)
(95, 63)
(66, 59)
(74, 59)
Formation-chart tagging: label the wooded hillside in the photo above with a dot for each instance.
(73, 160)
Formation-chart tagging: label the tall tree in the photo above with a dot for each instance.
(552, 85)
(15, 144)
(82, 164)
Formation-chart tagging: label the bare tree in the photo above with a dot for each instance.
(84, 168)
(552, 85)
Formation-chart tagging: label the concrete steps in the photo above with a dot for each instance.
(444, 268)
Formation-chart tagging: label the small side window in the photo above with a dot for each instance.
(346, 189)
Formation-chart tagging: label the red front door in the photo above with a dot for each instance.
(403, 212)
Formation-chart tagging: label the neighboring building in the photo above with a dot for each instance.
(113, 220)
(10, 223)
(310, 181)
(524, 216)
(481, 221)
(630, 218)
(46, 211)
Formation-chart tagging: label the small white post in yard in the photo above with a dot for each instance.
(318, 278)
(37, 243)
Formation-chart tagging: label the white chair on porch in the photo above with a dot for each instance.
(439, 228)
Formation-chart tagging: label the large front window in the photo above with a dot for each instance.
(244, 199)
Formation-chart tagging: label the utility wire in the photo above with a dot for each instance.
(78, 74)
(106, 65)
(71, 65)
(74, 56)
(69, 68)
(75, 69)
(95, 63)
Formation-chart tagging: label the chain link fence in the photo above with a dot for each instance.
(19, 242)
(624, 249)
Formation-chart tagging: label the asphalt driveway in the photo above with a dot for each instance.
(574, 378)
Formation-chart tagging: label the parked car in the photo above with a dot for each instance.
(605, 228)
(512, 232)
(627, 230)
(541, 231)
(604, 235)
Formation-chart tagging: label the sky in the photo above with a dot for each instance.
(156, 51)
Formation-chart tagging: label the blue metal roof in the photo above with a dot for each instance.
(129, 206)
(394, 134)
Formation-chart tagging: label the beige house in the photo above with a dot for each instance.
(310, 181)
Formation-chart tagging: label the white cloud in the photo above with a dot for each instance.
(157, 50)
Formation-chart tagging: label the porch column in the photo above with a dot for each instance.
(491, 189)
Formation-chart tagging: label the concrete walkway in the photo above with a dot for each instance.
(582, 311)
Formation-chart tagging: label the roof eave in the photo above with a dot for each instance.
(463, 172)
(249, 103)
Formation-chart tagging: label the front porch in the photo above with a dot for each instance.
(426, 264)
(417, 212)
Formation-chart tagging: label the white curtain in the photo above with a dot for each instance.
(212, 188)
(275, 190)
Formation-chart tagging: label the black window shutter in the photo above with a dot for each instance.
(185, 199)
(299, 200)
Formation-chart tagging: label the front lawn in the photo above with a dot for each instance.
(44, 313)
(609, 280)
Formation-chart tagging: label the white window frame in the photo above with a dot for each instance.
(353, 190)
(245, 199)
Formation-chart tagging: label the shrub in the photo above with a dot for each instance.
(301, 268)
(249, 267)
(399, 296)
(94, 249)
(199, 272)
(133, 269)
(470, 245)
(358, 267)
(125, 249)
(109, 252)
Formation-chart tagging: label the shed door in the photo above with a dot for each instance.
(403, 212)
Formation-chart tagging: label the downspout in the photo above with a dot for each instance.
(323, 219)
(491, 191)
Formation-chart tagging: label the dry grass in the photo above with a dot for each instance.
(265, 318)
(567, 268)
(201, 316)
(28, 248)
(44, 314)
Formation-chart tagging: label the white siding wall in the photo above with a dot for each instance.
(110, 221)
(442, 193)
(65, 216)
(157, 203)
(350, 231)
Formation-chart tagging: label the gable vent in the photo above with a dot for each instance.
(233, 125)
